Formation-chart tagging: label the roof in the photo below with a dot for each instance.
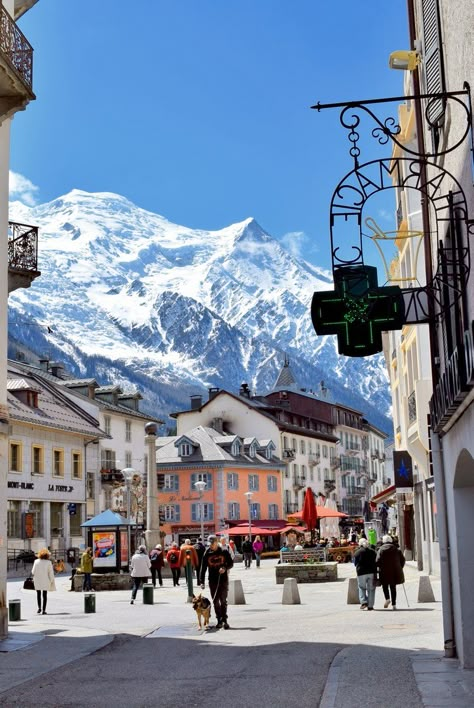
(211, 446)
(54, 409)
(108, 518)
(285, 377)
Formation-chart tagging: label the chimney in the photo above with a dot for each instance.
(217, 425)
(196, 402)
(213, 392)
(244, 390)
(44, 363)
(56, 369)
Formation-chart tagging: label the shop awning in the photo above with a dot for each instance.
(384, 495)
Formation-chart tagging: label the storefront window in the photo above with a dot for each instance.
(36, 508)
(14, 519)
(75, 521)
(56, 520)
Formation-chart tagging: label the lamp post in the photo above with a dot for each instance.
(249, 496)
(201, 486)
(128, 474)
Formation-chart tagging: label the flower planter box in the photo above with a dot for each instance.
(306, 572)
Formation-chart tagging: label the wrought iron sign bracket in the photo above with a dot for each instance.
(357, 299)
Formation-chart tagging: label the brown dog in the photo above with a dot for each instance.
(202, 607)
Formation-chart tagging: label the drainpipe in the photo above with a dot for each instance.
(436, 449)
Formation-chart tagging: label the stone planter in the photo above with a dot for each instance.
(306, 572)
(104, 581)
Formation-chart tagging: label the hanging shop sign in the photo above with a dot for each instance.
(403, 470)
(360, 308)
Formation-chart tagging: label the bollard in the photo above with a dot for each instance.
(353, 592)
(291, 595)
(236, 593)
(148, 594)
(89, 602)
(189, 576)
(14, 610)
(425, 591)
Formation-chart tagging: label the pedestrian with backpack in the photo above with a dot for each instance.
(157, 562)
(174, 562)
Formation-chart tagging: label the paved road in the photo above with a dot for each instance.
(274, 654)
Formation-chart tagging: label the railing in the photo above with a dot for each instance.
(313, 459)
(111, 475)
(22, 247)
(291, 507)
(335, 462)
(16, 48)
(412, 407)
(355, 491)
(299, 481)
(289, 452)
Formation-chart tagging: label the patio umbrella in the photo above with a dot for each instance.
(256, 531)
(322, 512)
(309, 513)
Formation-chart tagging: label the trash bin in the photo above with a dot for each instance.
(14, 610)
(148, 594)
(89, 602)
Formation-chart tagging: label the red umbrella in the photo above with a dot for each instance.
(256, 531)
(309, 513)
(322, 512)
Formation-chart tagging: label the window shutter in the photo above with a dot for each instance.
(433, 58)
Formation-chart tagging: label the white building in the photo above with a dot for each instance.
(16, 90)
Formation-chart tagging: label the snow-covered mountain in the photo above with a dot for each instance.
(130, 296)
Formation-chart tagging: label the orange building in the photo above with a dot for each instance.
(229, 466)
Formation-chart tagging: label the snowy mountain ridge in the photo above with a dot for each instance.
(180, 309)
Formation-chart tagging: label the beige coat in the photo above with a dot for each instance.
(43, 575)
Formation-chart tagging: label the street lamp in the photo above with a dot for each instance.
(201, 486)
(249, 496)
(128, 474)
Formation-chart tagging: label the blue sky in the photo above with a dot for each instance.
(199, 109)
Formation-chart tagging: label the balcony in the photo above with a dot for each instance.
(111, 476)
(299, 481)
(16, 67)
(329, 485)
(22, 255)
(290, 508)
(289, 453)
(313, 459)
(355, 492)
(335, 462)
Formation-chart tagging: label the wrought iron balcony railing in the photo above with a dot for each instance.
(16, 48)
(22, 247)
(291, 507)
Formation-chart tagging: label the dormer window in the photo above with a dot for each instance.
(235, 450)
(253, 449)
(185, 449)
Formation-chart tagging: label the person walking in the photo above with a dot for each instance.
(247, 552)
(157, 562)
(366, 568)
(43, 578)
(174, 562)
(257, 549)
(217, 562)
(140, 570)
(390, 562)
(200, 549)
(226, 546)
(87, 566)
(188, 548)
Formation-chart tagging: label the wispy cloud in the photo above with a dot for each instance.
(23, 189)
(385, 215)
(299, 244)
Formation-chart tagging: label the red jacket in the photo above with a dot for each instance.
(194, 556)
(173, 563)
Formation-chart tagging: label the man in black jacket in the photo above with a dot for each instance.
(365, 563)
(247, 552)
(217, 562)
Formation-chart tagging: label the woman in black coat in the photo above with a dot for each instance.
(390, 562)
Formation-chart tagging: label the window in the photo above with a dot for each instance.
(107, 424)
(296, 469)
(108, 459)
(303, 472)
(185, 449)
(319, 474)
(128, 458)
(36, 508)
(201, 477)
(273, 511)
(269, 452)
(253, 482)
(128, 431)
(58, 462)
(37, 459)
(171, 512)
(285, 442)
(433, 65)
(168, 482)
(325, 450)
(76, 465)
(272, 483)
(90, 491)
(295, 448)
(207, 512)
(318, 449)
(253, 449)
(75, 521)
(232, 480)
(302, 447)
(233, 509)
(13, 519)
(16, 457)
(254, 510)
(311, 474)
(56, 516)
(236, 448)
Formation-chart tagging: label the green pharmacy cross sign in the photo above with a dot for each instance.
(357, 310)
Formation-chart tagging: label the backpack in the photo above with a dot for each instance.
(173, 558)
